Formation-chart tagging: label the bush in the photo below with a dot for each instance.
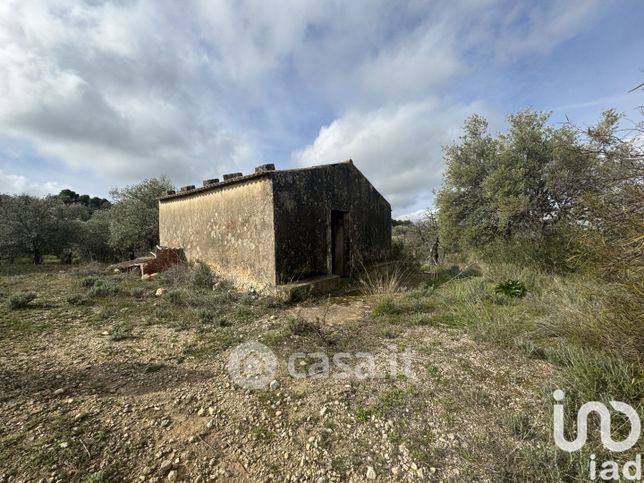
(120, 332)
(174, 296)
(88, 282)
(202, 277)
(21, 300)
(511, 288)
(386, 307)
(101, 288)
(76, 299)
(206, 315)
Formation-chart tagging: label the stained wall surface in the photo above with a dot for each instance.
(304, 201)
(230, 228)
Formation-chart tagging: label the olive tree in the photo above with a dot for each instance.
(134, 215)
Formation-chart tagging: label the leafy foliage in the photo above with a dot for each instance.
(91, 227)
(511, 288)
(21, 300)
(134, 216)
(94, 203)
(202, 276)
(544, 195)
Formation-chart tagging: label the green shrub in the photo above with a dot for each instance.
(120, 332)
(364, 414)
(386, 307)
(102, 288)
(76, 299)
(88, 282)
(422, 319)
(206, 315)
(174, 296)
(21, 300)
(202, 277)
(511, 288)
(137, 292)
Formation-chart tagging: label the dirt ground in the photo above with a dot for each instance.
(131, 386)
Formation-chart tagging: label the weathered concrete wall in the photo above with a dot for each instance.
(304, 200)
(230, 228)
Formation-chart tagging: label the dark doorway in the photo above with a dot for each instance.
(339, 243)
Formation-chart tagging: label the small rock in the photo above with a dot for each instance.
(211, 411)
(323, 411)
(172, 476)
(64, 444)
(371, 473)
(160, 292)
(201, 412)
(58, 391)
(274, 384)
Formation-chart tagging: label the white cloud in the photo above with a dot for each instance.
(399, 148)
(543, 27)
(132, 88)
(15, 184)
(94, 86)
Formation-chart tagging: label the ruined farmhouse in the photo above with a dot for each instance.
(274, 227)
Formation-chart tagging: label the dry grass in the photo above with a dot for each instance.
(387, 279)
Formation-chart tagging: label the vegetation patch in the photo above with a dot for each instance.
(511, 288)
(21, 300)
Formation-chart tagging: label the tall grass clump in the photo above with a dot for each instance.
(590, 375)
(384, 280)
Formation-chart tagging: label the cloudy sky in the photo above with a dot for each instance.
(96, 94)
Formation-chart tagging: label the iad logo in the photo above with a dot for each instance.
(610, 469)
(604, 417)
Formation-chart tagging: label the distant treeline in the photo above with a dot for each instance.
(72, 226)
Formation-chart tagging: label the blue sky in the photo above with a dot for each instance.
(101, 94)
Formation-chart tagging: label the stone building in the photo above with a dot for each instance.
(274, 227)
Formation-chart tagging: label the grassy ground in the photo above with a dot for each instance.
(103, 380)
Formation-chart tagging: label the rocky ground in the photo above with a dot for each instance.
(130, 385)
